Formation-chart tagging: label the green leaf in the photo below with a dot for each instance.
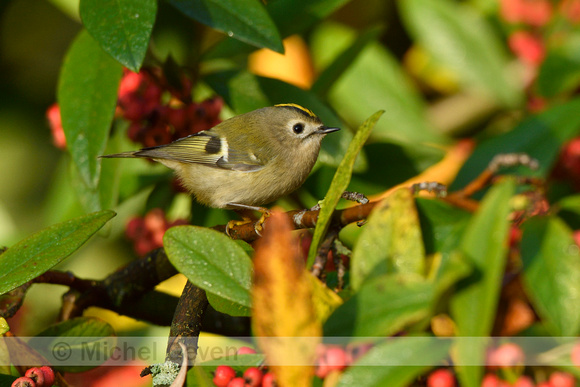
(386, 87)
(474, 304)
(390, 242)
(290, 16)
(6, 380)
(121, 27)
(540, 136)
(245, 20)
(70, 342)
(369, 314)
(340, 183)
(199, 377)
(560, 71)
(335, 70)
(36, 254)
(245, 92)
(552, 273)
(461, 38)
(570, 203)
(213, 262)
(87, 94)
(396, 363)
(442, 225)
(105, 195)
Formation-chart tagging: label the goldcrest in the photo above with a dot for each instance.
(246, 161)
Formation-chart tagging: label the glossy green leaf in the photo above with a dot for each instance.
(461, 38)
(442, 225)
(552, 274)
(6, 380)
(290, 16)
(340, 183)
(383, 306)
(199, 377)
(245, 20)
(214, 263)
(375, 80)
(85, 338)
(105, 195)
(39, 252)
(540, 136)
(411, 299)
(245, 92)
(121, 27)
(560, 71)
(390, 242)
(474, 304)
(396, 363)
(87, 95)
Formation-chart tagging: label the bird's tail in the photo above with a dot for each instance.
(131, 154)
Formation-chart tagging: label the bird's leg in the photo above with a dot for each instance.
(245, 212)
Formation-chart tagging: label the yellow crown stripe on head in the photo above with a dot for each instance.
(303, 109)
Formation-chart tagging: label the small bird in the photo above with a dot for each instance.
(246, 161)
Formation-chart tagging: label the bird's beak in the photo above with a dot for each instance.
(326, 130)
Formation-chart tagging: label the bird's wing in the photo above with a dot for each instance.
(204, 148)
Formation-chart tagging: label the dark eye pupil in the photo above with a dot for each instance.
(298, 128)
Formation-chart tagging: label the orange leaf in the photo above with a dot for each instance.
(284, 319)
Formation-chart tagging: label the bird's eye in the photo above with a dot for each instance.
(298, 128)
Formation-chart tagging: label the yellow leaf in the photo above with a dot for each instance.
(284, 320)
(324, 299)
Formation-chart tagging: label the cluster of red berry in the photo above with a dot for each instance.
(36, 377)
(155, 122)
(508, 358)
(147, 232)
(330, 358)
(225, 376)
(528, 17)
(556, 379)
(158, 112)
(529, 35)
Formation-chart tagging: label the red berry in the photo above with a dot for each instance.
(269, 380)
(524, 381)
(336, 358)
(35, 374)
(544, 384)
(322, 369)
(571, 9)
(538, 12)
(561, 379)
(507, 355)
(23, 381)
(237, 382)
(246, 351)
(135, 228)
(441, 378)
(253, 377)
(527, 47)
(48, 375)
(223, 375)
(491, 380)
